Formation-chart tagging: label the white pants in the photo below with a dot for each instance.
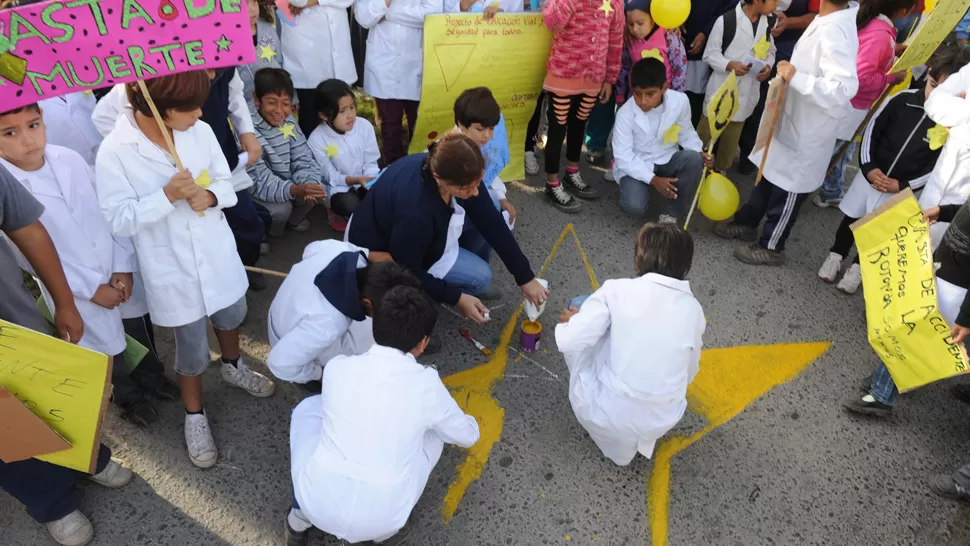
(292, 212)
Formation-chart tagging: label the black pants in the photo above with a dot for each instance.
(247, 227)
(344, 204)
(567, 117)
(778, 207)
(48, 492)
(126, 390)
(844, 239)
(532, 133)
(696, 107)
(143, 331)
(309, 118)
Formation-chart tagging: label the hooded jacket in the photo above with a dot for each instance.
(900, 121)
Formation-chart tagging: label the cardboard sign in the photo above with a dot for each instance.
(54, 48)
(22, 434)
(507, 54)
(773, 103)
(724, 104)
(903, 318)
(65, 385)
(939, 24)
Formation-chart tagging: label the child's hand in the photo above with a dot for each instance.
(473, 308)
(605, 91)
(108, 296)
(505, 204)
(697, 46)
(181, 186)
(900, 77)
(666, 186)
(763, 75)
(122, 282)
(958, 333)
(359, 180)
(202, 200)
(738, 68)
(891, 186)
(708, 160)
(786, 70)
(251, 146)
(567, 313)
(491, 11)
(932, 215)
(900, 49)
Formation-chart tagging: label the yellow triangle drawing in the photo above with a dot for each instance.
(452, 59)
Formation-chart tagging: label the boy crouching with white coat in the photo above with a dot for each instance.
(362, 451)
(323, 308)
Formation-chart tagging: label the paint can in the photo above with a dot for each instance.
(529, 335)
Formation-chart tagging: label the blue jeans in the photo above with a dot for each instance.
(471, 273)
(883, 388)
(834, 185)
(600, 125)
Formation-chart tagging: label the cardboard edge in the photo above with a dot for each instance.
(105, 399)
(895, 200)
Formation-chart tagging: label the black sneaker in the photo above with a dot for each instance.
(961, 393)
(294, 538)
(867, 405)
(730, 230)
(573, 182)
(562, 200)
(314, 385)
(755, 254)
(160, 387)
(140, 413)
(944, 486)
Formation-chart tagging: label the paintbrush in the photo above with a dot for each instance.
(485, 350)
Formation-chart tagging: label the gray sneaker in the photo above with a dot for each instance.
(730, 230)
(755, 254)
(944, 486)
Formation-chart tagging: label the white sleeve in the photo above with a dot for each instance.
(293, 357)
(411, 13)
(585, 328)
(370, 12)
(712, 51)
(688, 138)
(627, 159)
(107, 110)
(125, 212)
(372, 153)
(499, 188)
(450, 423)
(838, 82)
(945, 106)
(219, 174)
(242, 120)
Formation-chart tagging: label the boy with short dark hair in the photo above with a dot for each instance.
(287, 180)
(654, 144)
(324, 305)
(363, 450)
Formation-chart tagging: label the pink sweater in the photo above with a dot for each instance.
(877, 42)
(587, 41)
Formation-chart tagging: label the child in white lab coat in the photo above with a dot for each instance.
(286, 180)
(68, 118)
(821, 80)
(345, 147)
(362, 451)
(98, 265)
(394, 63)
(489, 8)
(655, 145)
(322, 309)
(749, 52)
(186, 250)
(634, 346)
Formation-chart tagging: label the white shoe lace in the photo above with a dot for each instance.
(561, 195)
(242, 376)
(198, 437)
(576, 181)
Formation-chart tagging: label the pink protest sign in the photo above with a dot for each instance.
(55, 48)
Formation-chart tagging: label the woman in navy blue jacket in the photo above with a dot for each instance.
(434, 216)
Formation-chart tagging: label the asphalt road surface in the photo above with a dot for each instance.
(765, 456)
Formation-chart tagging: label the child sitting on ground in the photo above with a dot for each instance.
(897, 152)
(345, 147)
(634, 346)
(287, 180)
(362, 451)
(323, 307)
(654, 144)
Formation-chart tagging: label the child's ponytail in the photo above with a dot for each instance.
(870, 9)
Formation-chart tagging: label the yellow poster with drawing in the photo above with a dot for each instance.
(723, 106)
(938, 25)
(903, 316)
(65, 385)
(506, 54)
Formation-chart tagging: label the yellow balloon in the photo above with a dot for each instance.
(670, 13)
(719, 198)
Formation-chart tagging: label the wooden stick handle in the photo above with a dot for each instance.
(265, 271)
(771, 134)
(700, 186)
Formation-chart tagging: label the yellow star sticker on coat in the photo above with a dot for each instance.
(671, 134)
(606, 7)
(761, 48)
(937, 136)
(287, 130)
(331, 150)
(266, 53)
(651, 54)
(203, 180)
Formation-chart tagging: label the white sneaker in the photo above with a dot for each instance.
(72, 530)
(851, 280)
(830, 268)
(113, 476)
(252, 382)
(198, 440)
(531, 164)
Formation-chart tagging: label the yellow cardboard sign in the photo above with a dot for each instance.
(939, 24)
(507, 54)
(65, 385)
(724, 104)
(903, 317)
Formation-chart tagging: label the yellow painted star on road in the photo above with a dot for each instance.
(287, 130)
(331, 150)
(671, 134)
(266, 53)
(606, 7)
(761, 48)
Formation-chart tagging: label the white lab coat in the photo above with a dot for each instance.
(88, 252)
(507, 6)
(749, 88)
(189, 263)
(395, 46)
(305, 329)
(632, 350)
(317, 47)
(68, 121)
(354, 153)
(362, 452)
(638, 137)
(949, 183)
(815, 102)
(113, 105)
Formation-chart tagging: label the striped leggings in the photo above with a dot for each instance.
(567, 117)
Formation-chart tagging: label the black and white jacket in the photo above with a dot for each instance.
(896, 142)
